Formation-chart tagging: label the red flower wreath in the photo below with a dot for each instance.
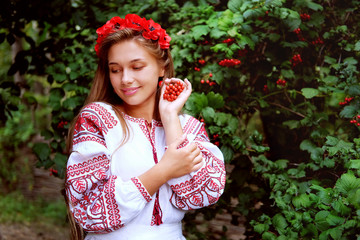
(149, 28)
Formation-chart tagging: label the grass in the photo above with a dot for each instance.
(15, 208)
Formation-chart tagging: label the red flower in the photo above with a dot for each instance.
(133, 21)
(148, 28)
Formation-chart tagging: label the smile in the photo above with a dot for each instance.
(130, 91)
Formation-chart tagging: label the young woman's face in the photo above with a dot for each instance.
(134, 73)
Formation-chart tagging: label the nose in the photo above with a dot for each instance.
(127, 77)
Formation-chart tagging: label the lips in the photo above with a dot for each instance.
(130, 91)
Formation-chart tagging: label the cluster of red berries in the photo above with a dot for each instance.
(297, 31)
(281, 82)
(62, 124)
(229, 40)
(201, 61)
(229, 62)
(356, 120)
(305, 17)
(296, 59)
(215, 137)
(347, 101)
(317, 41)
(197, 69)
(266, 88)
(298, 34)
(173, 90)
(202, 81)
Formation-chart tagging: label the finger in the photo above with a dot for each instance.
(191, 147)
(198, 165)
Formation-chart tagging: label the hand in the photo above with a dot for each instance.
(179, 162)
(167, 108)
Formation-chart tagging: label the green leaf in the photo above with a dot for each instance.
(334, 220)
(348, 112)
(280, 223)
(330, 80)
(287, 73)
(199, 31)
(235, 5)
(347, 182)
(42, 151)
(195, 103)
(354, 90)
(302, 200)
(309, 92)
(268, 236)
(354, 164)
(320, 220)
(217, 33)
(332, 141)
(228, 153)
(357, 46)
(340, 207)
(260, 228)
(215, 100)
(208, 114)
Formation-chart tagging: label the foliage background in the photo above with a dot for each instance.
(286, 118)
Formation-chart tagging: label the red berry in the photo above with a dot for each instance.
(173, 90)
(202, 81)
(202, 61)
(210, 74)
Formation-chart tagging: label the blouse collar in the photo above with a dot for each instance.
(142, 120)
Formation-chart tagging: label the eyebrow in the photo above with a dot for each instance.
(134, 60)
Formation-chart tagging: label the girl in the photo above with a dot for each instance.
(136, 163)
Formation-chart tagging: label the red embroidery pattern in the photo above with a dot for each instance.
(92, 194)
(112, 207)
(93, 123)
(206, 185)
(192, 125)
(88, 166)
(105, 114)
(89, 138)
(141, 188)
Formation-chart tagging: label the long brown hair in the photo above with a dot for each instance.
(102, 91)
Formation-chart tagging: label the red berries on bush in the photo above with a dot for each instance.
(296, 59)
(305, 17)
(229, 62)
(201, 61)
(347, 101)
(197, 69)
(317, 41)
(173, 90)
(281, 82)
(62, 124)
(229, 40)
(265, 88)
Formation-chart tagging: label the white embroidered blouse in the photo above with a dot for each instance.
(105, 195)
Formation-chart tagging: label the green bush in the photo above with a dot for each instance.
(276, 83)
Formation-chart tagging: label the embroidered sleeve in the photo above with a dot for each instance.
(205, 186)
(100, 202)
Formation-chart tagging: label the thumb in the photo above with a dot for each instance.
(178, 141)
